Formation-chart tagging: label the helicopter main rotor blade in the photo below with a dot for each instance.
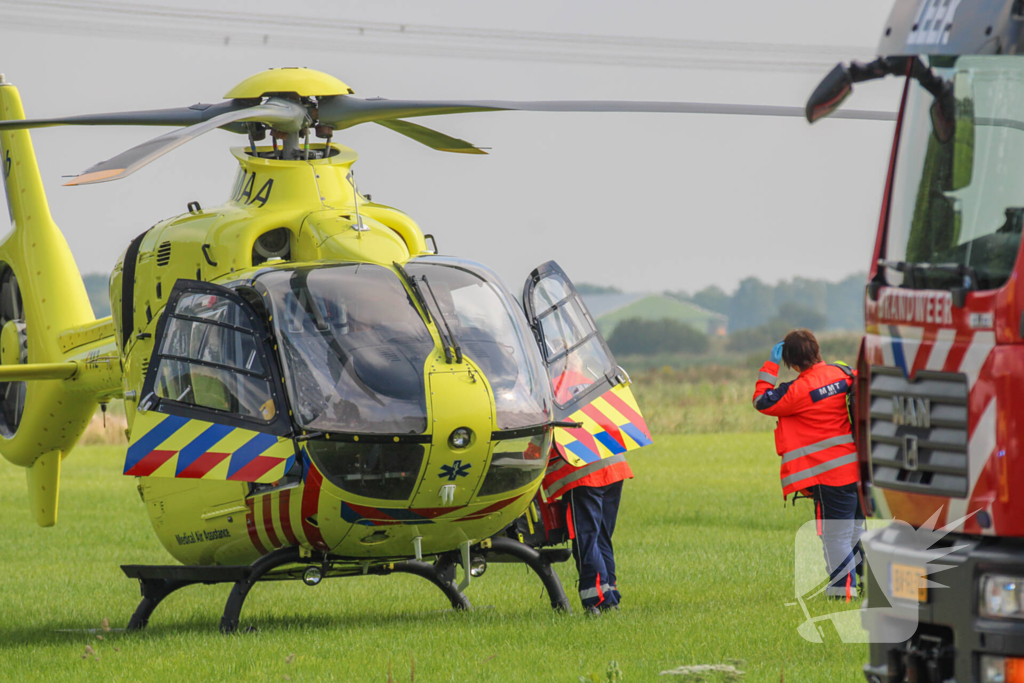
(345, 111)
(431, 138)
(178, 116)
(279, 113)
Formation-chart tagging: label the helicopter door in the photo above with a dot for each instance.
(588, 386)
(212, 404)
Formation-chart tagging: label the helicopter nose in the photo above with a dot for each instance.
(462, 419)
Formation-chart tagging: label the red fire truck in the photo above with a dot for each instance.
(940, 395)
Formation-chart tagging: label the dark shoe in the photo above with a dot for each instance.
(605, 608)
(592, 611)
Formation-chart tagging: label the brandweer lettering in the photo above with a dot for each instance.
(931, 308)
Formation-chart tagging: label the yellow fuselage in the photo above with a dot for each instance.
(212, 521)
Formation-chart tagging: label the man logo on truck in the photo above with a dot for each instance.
(912, 411)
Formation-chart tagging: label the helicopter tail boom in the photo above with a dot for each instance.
(42, 296)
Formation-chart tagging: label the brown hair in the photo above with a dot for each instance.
(800, 350)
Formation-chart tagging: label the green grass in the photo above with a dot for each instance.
(699, 400)
(711, 393)
(704, 544)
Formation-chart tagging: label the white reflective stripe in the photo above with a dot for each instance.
(979, 448)
(840, 591)
(817, 447)
(557, 466)
(940, 349)
(593, 592)
(767, 377)
(582, 472)
(976, 355)
(818, 469)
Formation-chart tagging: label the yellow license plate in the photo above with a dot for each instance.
(908, 582)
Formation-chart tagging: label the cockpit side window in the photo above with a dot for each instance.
(211, 357)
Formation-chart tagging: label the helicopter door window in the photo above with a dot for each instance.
(580, 365)
(216, 344)
(564, 326)
(210, 357)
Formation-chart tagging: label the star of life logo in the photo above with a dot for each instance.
(903, 570)
(455, 470)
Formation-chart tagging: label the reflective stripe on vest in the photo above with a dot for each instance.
(594, 592)
(767, 377)
(817, 447)
(848, 459)
(579, 472)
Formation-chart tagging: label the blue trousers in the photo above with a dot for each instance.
(841, 524)
(594, 510)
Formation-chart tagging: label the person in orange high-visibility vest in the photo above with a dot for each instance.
(815, 440)
(591, 494)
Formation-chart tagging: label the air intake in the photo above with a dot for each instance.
(163, 254)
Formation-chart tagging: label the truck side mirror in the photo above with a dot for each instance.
(830, 93)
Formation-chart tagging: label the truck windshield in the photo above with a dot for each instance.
(958, 204)
(353, 348)
(491, 330)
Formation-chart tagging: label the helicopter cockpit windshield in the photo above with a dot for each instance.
(490, 329)
(353, 348)
(957, 208)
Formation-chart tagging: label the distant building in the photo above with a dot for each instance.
(610, 309)
(599, 304)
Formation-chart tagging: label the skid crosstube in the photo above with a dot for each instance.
(159, 581)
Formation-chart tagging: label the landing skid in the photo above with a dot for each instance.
(504, 549)
(159, 581)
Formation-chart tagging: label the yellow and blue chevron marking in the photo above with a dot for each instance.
(612, 424)
(173, 446)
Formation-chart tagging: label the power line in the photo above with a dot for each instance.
(233, 28)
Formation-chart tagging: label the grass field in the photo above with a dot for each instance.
(705, 549)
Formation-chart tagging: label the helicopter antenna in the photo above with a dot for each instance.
(351, 177)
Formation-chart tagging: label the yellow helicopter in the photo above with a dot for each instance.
(311, 389)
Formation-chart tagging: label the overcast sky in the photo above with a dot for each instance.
(644, 202)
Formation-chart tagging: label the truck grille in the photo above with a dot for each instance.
(918, 431)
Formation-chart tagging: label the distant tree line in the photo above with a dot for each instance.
(585, 288)
(759, 316)
(801, 302)
(636, 336)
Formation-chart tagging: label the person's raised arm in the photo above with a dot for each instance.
(768, 398)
